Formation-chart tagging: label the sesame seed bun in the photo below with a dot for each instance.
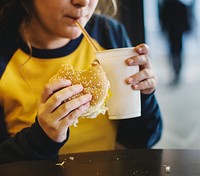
(93, 80)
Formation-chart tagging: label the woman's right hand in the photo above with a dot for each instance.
(56, 113)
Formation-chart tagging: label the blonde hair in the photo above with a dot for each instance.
(108, 7)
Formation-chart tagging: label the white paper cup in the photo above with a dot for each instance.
(125, 102)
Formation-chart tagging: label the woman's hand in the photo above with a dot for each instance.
(145, 80)
(56, 112)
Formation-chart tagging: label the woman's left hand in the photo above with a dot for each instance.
(145, 80)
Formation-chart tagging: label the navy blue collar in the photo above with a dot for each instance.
(51, 53)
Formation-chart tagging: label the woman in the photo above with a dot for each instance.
(37, 37)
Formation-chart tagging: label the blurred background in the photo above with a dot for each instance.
(180, 103)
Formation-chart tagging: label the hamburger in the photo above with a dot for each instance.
(93, 80)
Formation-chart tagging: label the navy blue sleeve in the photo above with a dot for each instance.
(142, 132)
(29, 144)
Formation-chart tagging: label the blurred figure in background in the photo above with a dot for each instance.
(175, 20)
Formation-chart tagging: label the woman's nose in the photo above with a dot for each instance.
(80, 3)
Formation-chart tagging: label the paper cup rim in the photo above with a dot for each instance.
(112, 52)
(114, 49)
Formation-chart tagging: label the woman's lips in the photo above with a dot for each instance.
(72, 20)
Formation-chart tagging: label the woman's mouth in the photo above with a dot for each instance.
(72, 20)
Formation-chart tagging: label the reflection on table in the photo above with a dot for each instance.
(152, 162)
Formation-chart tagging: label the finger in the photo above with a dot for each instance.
(52, 87)
(72, 118)
(140, 76)
(145, 84)
(58, 97)
(69, 106)
(142, 49)
(141, 60)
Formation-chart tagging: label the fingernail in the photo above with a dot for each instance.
(79, 87)
(68, 81)
(129, 80)
(130, 61)
(140, 50)
(89, 96)
(136, 86)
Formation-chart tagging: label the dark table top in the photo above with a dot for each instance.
(152, 162)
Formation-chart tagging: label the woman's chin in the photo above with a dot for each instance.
(74, 35)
